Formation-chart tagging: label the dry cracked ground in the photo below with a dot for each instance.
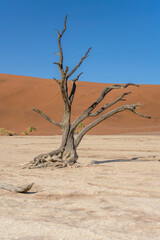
(114, 194)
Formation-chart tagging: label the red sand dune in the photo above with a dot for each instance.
(19, 94)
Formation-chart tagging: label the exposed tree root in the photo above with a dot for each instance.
(45, 160)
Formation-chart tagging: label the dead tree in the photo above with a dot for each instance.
(67, 152)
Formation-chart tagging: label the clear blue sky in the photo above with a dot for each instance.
(124, 36)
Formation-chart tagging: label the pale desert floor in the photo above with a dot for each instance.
(115, 194)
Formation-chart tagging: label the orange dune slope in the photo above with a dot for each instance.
(19, 94)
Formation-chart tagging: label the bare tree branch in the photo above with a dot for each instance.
(64, 29)
(72, 92)
(64, 87)
(141, 115)
(57, 81)
(108, 105)
(63, 82)
(13, 188)
(64, 91)
(56, 63)
(78, 65)
(77, 78)
(105, 116)
(47, 118)
(60, 64)
(105, 91)
(57, 53)
(74, 87)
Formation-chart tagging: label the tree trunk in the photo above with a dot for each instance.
(70, 153)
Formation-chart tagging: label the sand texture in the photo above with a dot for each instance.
(114, 195)
(19, 94)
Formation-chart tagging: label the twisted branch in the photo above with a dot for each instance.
(107, 115)
(108, 105)
(105, 91)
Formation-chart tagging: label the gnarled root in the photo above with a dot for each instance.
(55, 161)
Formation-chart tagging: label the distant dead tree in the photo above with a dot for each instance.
(66, 154)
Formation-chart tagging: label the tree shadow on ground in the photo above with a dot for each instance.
(137, 159)
(29, 192)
